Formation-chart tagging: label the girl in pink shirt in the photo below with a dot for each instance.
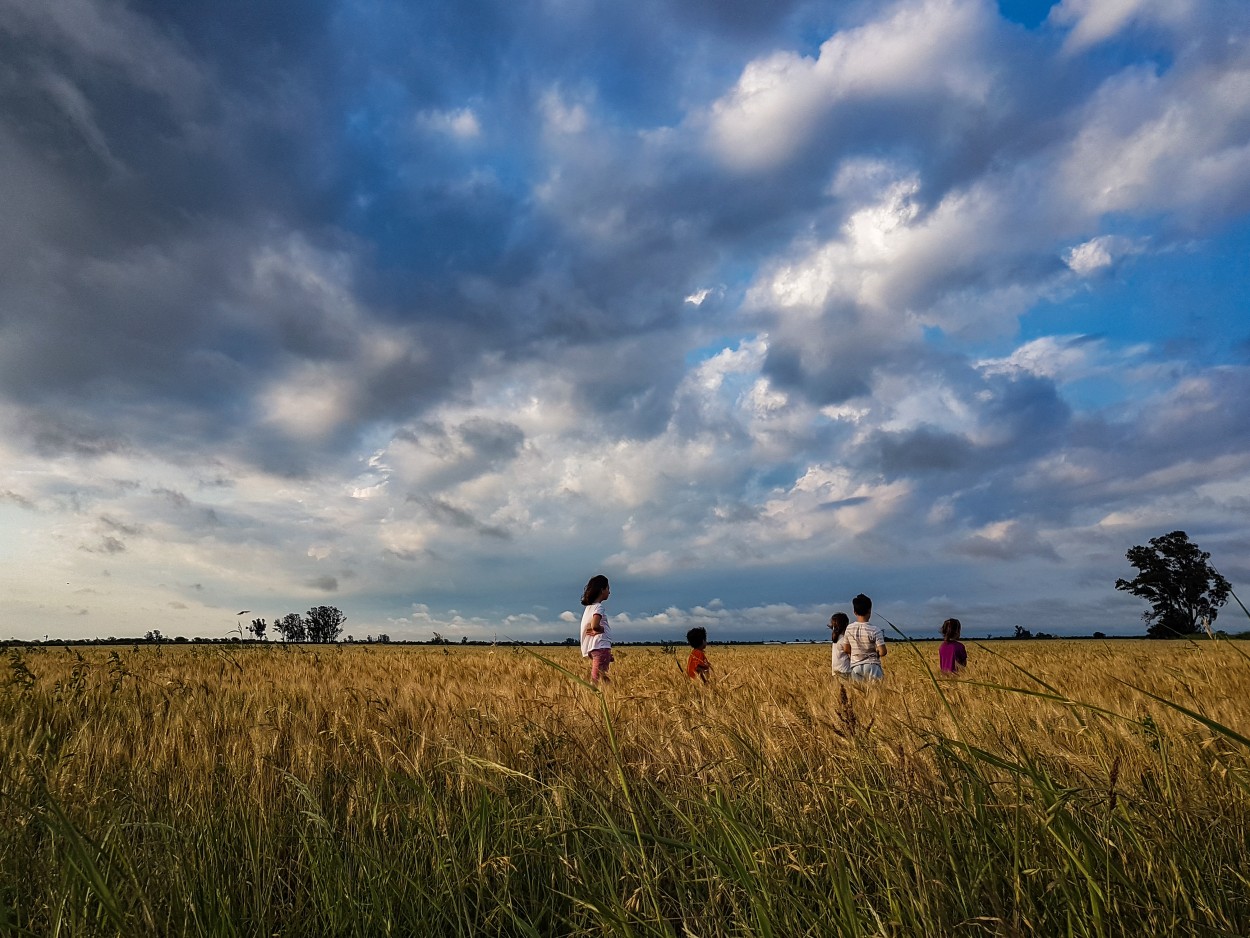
(951, 653)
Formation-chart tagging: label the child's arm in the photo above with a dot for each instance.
(595, 626)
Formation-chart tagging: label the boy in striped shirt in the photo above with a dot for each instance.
(864, 642)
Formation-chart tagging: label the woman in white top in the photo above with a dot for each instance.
(596, 631)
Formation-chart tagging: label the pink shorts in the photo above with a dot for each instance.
(600, 660)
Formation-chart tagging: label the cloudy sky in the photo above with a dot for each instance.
(431, 310)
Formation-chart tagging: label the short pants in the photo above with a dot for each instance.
(600, 660)
(867, 671)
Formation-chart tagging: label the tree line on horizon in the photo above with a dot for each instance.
(1174, 575)
(319, 625)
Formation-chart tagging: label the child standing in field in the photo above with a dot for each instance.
(841, 660)
(697, 664)
(951, 653)
(864, 643)
(596, 632)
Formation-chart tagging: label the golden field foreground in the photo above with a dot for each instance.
(1059, 787)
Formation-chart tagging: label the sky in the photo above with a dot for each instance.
(430, 311)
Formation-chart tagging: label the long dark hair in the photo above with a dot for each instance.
(950, 629)
(838, 622)
(594, 589)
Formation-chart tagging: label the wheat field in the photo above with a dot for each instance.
(1062, 787)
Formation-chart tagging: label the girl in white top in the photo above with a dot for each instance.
(596, 630)
(841, 660)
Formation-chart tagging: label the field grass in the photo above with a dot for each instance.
(1059, 788)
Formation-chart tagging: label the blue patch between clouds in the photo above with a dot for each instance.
(1028, 13)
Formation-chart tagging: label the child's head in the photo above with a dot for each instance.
(697, 637)
(950, 629)
(862, 605)
(596, 590)
(838, 622)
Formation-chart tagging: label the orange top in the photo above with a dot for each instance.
(697, 664)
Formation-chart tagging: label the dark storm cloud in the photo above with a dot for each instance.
(106, 545)
(1026, 414)
(444, 512)
(325, 583)
(494, 440)
(630, 384)
(924, 449)
(218, 131)
(53, 434)
(825, 374)
(149, 151)
(127, 283)
(1019, 540)
(152, 287)
(464, 451)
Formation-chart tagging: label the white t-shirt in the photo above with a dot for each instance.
(863, 637)
(841, 660)
(592, 641)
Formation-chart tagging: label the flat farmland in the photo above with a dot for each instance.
(1060, 787)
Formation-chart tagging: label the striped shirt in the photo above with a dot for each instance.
(864, 637)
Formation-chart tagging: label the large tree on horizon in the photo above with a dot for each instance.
(1178, 581)
(324, 623)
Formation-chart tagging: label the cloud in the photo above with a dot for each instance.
(1172, 142)
(102, 37)
(1095, 21)
(917, 50)
(738, 300)
(1048, 357)
(461, 124)
(1006, 540)
(1098, 254)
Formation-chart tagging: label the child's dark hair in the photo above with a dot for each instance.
(950, 629)
(862, 605)
(696, 637)
(594, 589)
(838, 622)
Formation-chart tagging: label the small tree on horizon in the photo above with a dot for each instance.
(257, 628)
(1178, 581)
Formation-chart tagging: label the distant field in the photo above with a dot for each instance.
(1061, 787)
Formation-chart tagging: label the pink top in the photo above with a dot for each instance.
(952, 656)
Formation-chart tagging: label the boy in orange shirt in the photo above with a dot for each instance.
(697, 664)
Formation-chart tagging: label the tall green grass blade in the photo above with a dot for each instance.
(84, 862)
